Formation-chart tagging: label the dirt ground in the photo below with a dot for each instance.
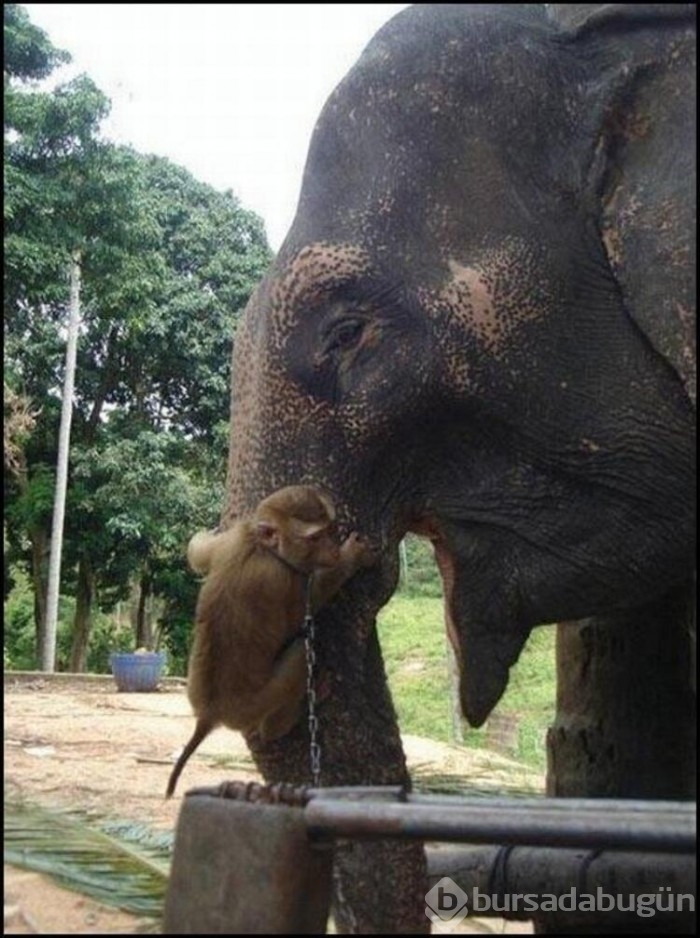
(73, 742)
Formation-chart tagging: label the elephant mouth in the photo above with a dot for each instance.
(482, 621)
(428, 527)
(485, 645)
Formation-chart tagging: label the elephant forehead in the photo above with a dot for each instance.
(471, 296)
(314, 270)
(492, 296)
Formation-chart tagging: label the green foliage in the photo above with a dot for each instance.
(412, 635)
(28, 52)
(168, 263)
(180, 589)
(33, 504)
(107, 636)
(109, 633)
(18, 630)
(57, 190)
(419, 574)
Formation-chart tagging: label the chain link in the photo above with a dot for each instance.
(309, 637)
(314, 745)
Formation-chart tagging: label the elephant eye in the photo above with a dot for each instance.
(344, 333)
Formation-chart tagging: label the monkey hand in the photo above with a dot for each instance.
(358, 551)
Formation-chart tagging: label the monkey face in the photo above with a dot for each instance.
(323, 546)
(298, 524)
(306, 546)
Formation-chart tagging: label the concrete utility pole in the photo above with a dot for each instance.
(48, 650)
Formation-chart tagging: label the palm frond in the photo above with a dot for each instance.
(239, 763)
(480, 783)
(87, 860)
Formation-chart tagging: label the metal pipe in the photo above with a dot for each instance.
(299, 794)
(598, 805)
(491, 872)
(374, 812)
(479, 822)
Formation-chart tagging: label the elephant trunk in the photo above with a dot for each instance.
(360, 745)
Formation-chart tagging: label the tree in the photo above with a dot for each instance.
(142, 382)
(57, 207)
(138, 517)
(28, 52)
(168, 263)
(19, 420)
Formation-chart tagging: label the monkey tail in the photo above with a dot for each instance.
(201, 730)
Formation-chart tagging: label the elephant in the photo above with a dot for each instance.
(479, 328)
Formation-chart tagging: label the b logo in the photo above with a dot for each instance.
(446, 904)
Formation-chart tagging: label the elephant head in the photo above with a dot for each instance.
(478, 329)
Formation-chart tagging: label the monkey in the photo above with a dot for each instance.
(247, 668)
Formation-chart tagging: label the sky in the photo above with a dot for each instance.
(231, 91)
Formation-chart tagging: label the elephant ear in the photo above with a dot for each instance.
(644, 168)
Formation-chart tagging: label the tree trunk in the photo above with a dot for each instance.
(39, 542)
(82, 621)
(625, 724)
(144, 635)
(40, 548)
(109, 376)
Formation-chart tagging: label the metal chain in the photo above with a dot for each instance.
(314, 746)
(309, 636)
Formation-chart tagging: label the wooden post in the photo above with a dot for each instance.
(625, 724)
(242, 868)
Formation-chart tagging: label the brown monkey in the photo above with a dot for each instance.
(247, 669)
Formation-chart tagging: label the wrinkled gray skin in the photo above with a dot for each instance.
(480, 328)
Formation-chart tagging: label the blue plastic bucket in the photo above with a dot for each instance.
(137, 673)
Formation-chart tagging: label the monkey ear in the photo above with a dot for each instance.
(266, 534)
(327, 503)
(311, 532)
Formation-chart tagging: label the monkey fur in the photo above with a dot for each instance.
(252, 604)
